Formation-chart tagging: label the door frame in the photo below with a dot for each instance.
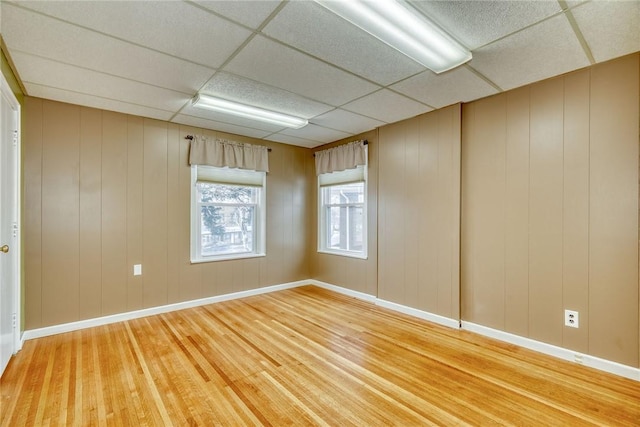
(5, 90)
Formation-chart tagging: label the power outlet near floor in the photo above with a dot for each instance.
(571, 319)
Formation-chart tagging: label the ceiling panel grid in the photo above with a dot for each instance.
(150, 58)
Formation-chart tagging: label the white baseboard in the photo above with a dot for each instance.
(555, 351)
(120, 317)
(435, 318)
(344, 291)
(425, 315)
(548, 349)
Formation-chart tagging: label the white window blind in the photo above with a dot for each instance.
(342, 177)
(230, 176)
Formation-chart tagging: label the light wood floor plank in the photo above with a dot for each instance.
(304, 356)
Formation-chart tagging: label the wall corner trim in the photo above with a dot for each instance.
(552, 350)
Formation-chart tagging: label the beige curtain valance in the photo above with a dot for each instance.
(343, 157)
(221, 153)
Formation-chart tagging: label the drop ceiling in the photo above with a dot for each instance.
(149, 58)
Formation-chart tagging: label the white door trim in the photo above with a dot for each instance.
(6, 91)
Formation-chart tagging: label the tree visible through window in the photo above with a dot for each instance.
(227, 216)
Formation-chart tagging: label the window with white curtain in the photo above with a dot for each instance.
(342, 201)
(227, 213)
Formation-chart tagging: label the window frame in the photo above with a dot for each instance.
(259, 217)
(322, 216)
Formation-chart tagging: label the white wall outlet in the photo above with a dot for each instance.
(137, 269)
(571, 319)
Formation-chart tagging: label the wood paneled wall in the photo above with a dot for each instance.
(419, 208)
(359, 275)
(549, 214)
(104, 191)
(550, 210)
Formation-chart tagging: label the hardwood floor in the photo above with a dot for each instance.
(304, 356)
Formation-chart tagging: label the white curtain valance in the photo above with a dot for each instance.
(221, 153)
(343, 157)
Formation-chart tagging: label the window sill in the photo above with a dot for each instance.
(226, 258)
(345, 254)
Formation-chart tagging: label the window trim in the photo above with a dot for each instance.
(322, 221)
(195, 227)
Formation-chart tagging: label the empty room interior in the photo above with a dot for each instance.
(320, 213)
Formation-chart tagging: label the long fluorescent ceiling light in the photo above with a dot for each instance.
(248, 112)
(404, 29)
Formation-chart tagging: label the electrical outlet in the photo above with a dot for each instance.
(137, 270)
(571, 319)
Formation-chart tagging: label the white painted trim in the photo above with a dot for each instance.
(6, 91)
(425, 315)
(548, 349)
(555, 351)
(435, 318)
(106, 320)
(321, 223)
(344, 291)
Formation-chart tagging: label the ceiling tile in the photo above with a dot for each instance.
(95, 102)
(45, 72)
(51, 38)
(440, 90)
(177, 28)
(246, 12)
(387, 106)
(539, 52)
(271, 63)
(313, 29)
(476, 23)
(230, 119)
(346, 121)
(246, 91)
(573, 3)
(184, 119)
(150, 57)
(316, 133)
(292, 140)
(611, 28)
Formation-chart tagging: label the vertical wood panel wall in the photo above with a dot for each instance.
(352, 273)
(549, 214)
(418, 211)
(550, 210)
(104, 191)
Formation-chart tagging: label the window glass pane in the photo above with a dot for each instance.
(227, 214)
(233, 194)
(227, 229)
(345, 228)
(342, 226)
(344, 194)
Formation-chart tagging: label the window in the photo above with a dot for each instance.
(343, 212)
(227, 213)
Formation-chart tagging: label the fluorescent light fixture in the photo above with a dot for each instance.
(404, 29)
(247, 111)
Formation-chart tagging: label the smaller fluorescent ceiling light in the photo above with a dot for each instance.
(404, 29)
(247, 111)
